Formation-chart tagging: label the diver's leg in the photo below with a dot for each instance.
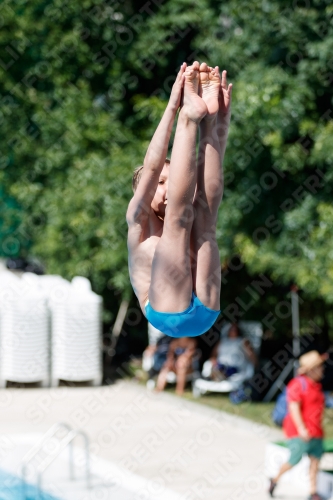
(171, 280)
(213, 137)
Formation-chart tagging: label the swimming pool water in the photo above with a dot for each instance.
(11, 488)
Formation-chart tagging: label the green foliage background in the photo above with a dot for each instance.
(83, 85)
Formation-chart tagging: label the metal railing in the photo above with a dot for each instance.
(46, 461)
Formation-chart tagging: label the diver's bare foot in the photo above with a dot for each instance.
(194, 107)
(209, 88)
(225, 98)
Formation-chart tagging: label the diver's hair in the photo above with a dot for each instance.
(136, 177)
(138, 173)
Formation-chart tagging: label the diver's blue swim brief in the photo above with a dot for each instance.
(195, 320)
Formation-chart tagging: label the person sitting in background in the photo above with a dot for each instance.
(179, 360)
(303, 423)
(232, 355)
(151, 359)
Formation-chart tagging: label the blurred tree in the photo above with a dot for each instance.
(276, 212)
(9, 223)
(83, 85)
(65, 155)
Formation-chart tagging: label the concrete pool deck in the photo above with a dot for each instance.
(143, 445)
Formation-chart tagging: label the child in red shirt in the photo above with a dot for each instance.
(303, 423)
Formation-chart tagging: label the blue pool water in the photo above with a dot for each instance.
(11, 488)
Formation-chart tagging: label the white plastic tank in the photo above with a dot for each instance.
(24, 330)
(76, 333)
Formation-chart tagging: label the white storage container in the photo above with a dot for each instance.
(24, 331)
(76, 334)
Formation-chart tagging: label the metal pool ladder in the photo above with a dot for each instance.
(46, 458)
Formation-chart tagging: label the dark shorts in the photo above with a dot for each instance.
(298, 448)
(227, 370)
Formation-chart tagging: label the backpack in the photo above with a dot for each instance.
(280, 409)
